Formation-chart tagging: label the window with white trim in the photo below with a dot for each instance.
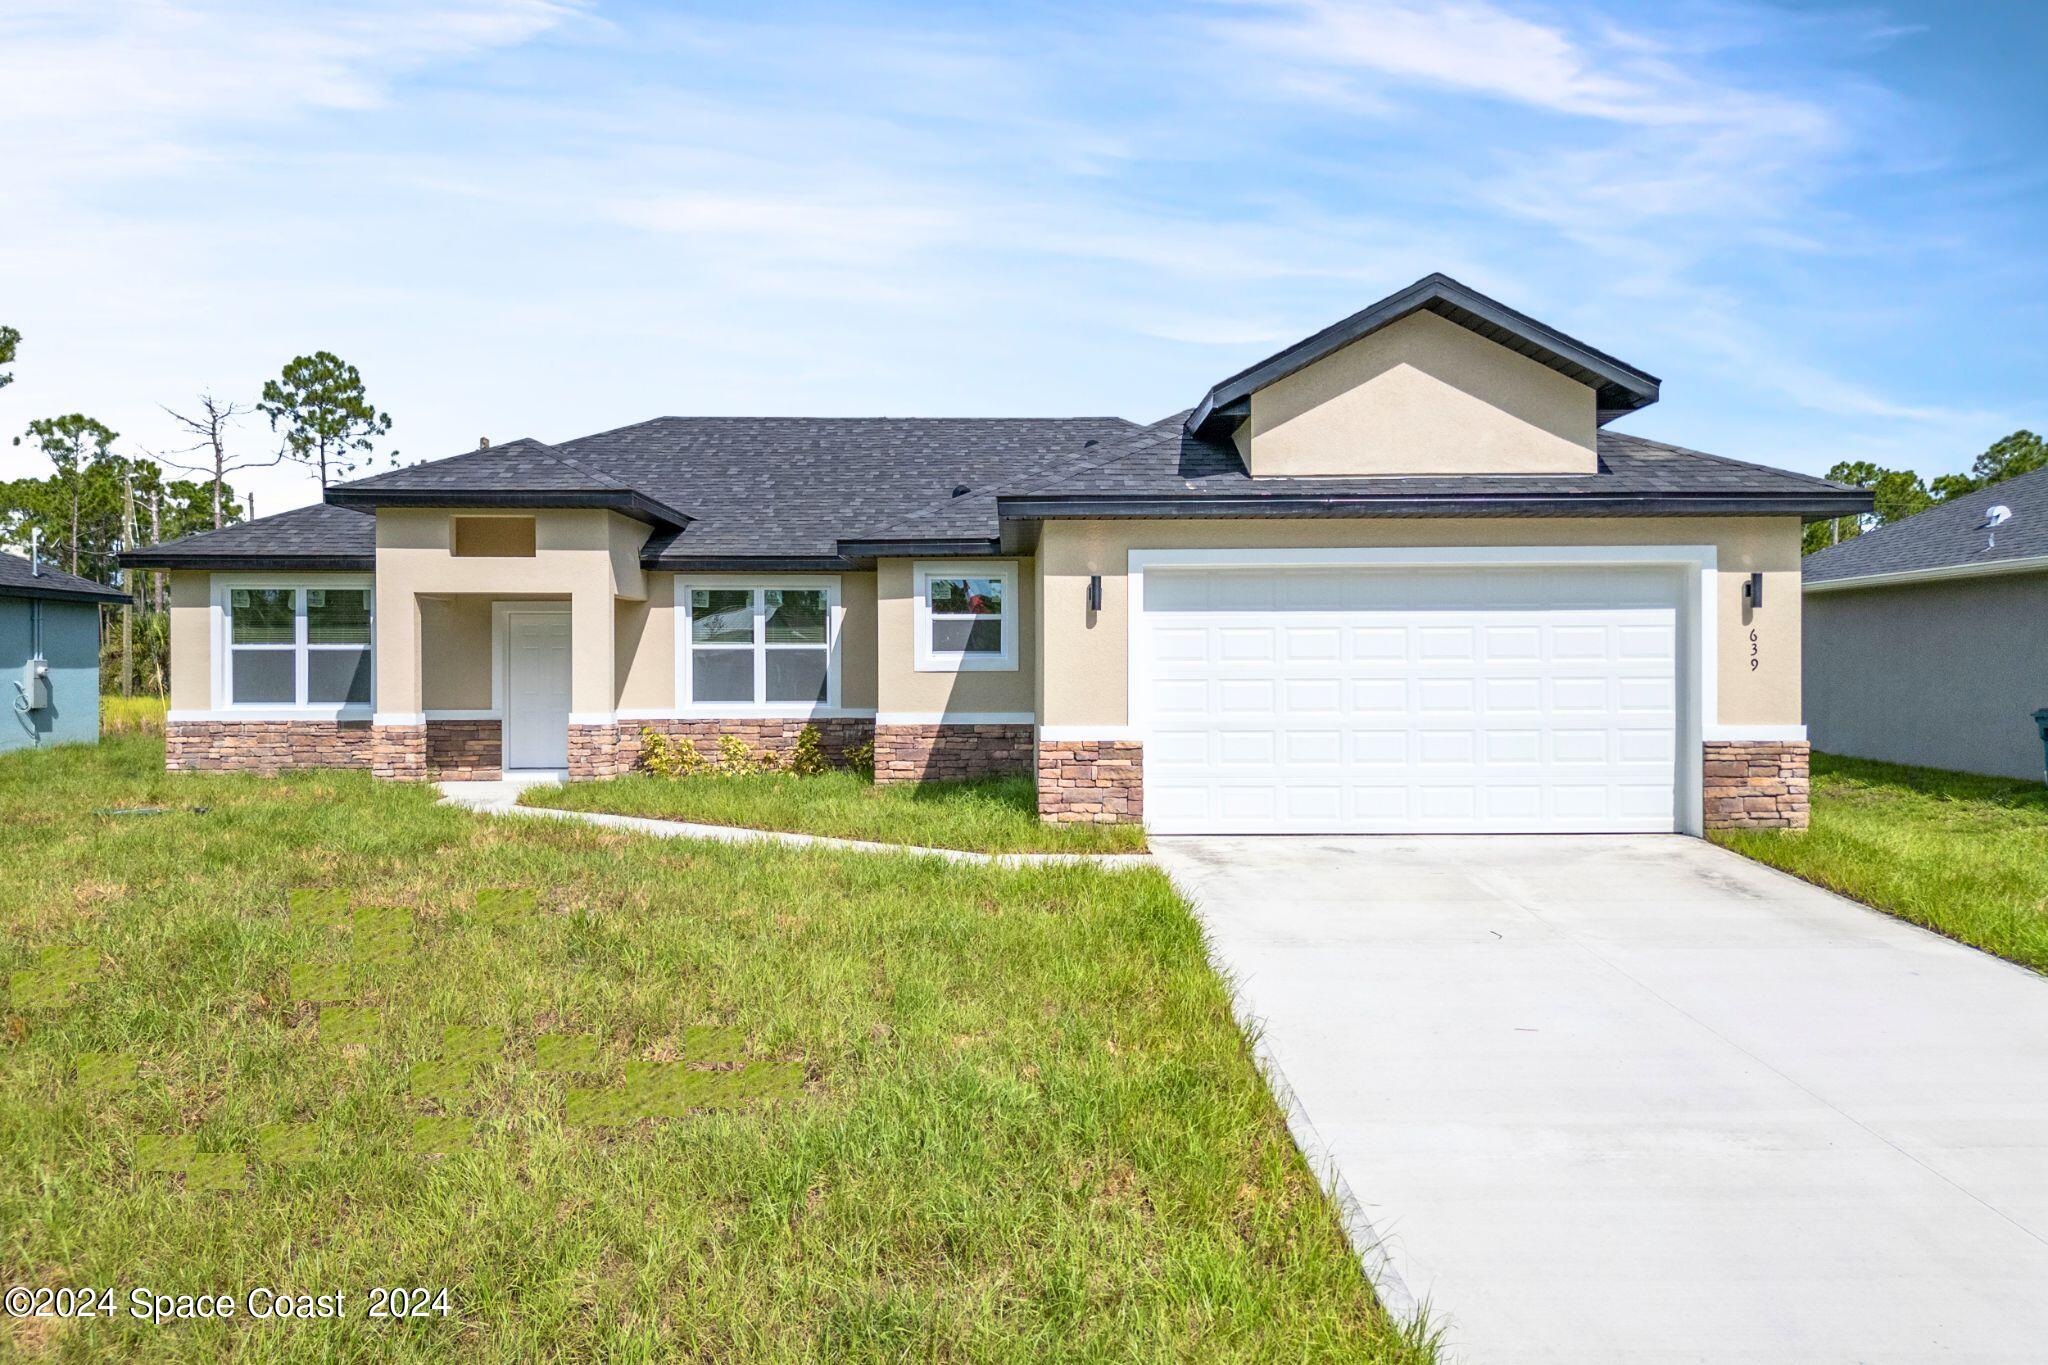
(758, 645)
(298, 646)
(966, 616)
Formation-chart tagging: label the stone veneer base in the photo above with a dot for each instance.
(951, 753)
(1091, 781)
(1756, 784)
(398, 753)
(465, 750)
(837, 735)
(265, 747)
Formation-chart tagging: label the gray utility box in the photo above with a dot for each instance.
(2041, 719)
(35, 685)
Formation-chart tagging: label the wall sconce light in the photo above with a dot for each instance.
(1753, 592)
(1095, 592)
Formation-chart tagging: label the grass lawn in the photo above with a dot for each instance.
(1015, 1120)
(1961, 854)
(998, 815)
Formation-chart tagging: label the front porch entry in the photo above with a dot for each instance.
(537, 686)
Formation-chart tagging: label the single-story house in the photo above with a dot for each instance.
(1927, 640)
(1395, 577)
(49, 654)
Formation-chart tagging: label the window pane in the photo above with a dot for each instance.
(964, 636)
(722, 675)
(338, 616)
(796, 616)
(796, 675)
(338, 675)
(722, 616)
(262, 616)
(265, 675)
(976, 596)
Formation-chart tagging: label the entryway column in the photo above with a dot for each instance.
(398, 728)
(596, 748)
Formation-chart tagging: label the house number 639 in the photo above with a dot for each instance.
(1752, 652)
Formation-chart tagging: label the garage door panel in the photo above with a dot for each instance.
(1411, 701)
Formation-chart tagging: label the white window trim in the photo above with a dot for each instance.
(222, 647)
(686, 709)
(931, 660)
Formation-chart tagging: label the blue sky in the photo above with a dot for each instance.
(1821, 225)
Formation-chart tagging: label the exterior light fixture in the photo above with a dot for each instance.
(1095, 592)
(1753, 592)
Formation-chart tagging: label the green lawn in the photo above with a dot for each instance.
(998, 815)
(1016, 1121)
(1961, 854)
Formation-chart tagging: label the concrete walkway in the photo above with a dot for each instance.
(1640, 1099)
(502, 798)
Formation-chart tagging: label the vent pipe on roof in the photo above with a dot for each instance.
(483, 443)
(1993, 519)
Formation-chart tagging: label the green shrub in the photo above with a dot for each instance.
(667, 757)
(807, 759)
(861, 757)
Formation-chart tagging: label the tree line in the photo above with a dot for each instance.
(1900, 493)
(99, 498)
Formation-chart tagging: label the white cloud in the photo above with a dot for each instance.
(91, 87)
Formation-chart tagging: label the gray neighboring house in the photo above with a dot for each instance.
(1926, 641)
(49, 654)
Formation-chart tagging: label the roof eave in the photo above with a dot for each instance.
(52, 593)
(1807, 506)
(224, 562)
(622, 500)
(1937, 574)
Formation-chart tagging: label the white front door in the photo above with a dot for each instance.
(536, 689)
(1411, 700)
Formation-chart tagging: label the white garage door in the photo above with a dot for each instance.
(1401, 700)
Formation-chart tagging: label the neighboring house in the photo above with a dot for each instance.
(1927, 640)
(49, 654)
(1393, 578)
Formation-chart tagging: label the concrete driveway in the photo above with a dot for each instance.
(1605, 1099)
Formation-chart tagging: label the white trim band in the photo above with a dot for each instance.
(955, 718)
(1753, 734)
(593, 718)
(399, 718)
(248, 714)
(488, 713)
(1084, 734)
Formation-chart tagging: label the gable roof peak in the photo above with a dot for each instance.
(1621, 387)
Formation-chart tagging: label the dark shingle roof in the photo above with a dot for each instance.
(18, 579)
(521, 473)
(798, 486)
(316, 537)
(834, 489)
(1951, 536)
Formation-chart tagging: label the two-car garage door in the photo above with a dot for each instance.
(1410, 700)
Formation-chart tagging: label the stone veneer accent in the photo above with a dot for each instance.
(1756, 784)
(594, 752)
(465, 750)
(763, 734)
(399, 752)
(265, 747)
(934, 753)
(1092, 781)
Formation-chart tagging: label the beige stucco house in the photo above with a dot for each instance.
(1398, 577)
